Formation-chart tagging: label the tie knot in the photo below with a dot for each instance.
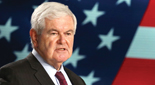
(61, 78)
(59, 75)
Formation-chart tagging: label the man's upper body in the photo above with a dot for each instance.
(30, 72)
(52, 36)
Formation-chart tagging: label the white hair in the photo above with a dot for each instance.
(49, 10)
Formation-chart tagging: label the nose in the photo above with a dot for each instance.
(61, 39)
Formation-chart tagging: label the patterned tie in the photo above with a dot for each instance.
(61, 78)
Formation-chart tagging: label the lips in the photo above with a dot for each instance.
(61, 49)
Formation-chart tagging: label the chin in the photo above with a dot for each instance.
(62, 59)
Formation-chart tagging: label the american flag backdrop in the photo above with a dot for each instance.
(114, 42)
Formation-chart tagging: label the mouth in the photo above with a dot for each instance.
(61, 49)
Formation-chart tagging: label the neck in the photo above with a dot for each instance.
(57, 66)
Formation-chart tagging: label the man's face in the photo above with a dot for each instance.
(55, 43)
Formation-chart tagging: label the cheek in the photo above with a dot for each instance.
(44, 43)
(71, 42)
(51, 44)
(52, 41)
(50, 48)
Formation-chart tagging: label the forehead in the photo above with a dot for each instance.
(62, 23)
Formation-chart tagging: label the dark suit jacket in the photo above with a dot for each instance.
(30, 72)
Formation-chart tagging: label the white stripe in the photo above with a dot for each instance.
(143, 44)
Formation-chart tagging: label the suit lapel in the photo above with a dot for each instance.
(71, 76)
(40, 74)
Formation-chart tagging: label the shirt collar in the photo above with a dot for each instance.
(49, 69)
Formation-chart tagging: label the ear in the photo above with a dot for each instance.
(34, 37)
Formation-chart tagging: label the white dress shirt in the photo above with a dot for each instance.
(51, 71)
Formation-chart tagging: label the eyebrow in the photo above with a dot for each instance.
(57, 30)
(51, 30)
(70, 31)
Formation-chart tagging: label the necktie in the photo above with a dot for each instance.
(61, 78)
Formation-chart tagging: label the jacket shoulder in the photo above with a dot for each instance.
(17, 64)
(9, 72)
(18, 73)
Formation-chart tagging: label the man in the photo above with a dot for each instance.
(52, 36)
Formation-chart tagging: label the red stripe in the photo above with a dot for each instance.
(149, 16)
(136, 72)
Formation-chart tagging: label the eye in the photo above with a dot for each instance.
(53, 33)
(68, 33)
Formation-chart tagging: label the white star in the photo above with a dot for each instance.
(90, 79)
(22, 54)
(107, 40)
(92, 15)
(74, 58)
(35, 6)
(7, 29)
(128, 2)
